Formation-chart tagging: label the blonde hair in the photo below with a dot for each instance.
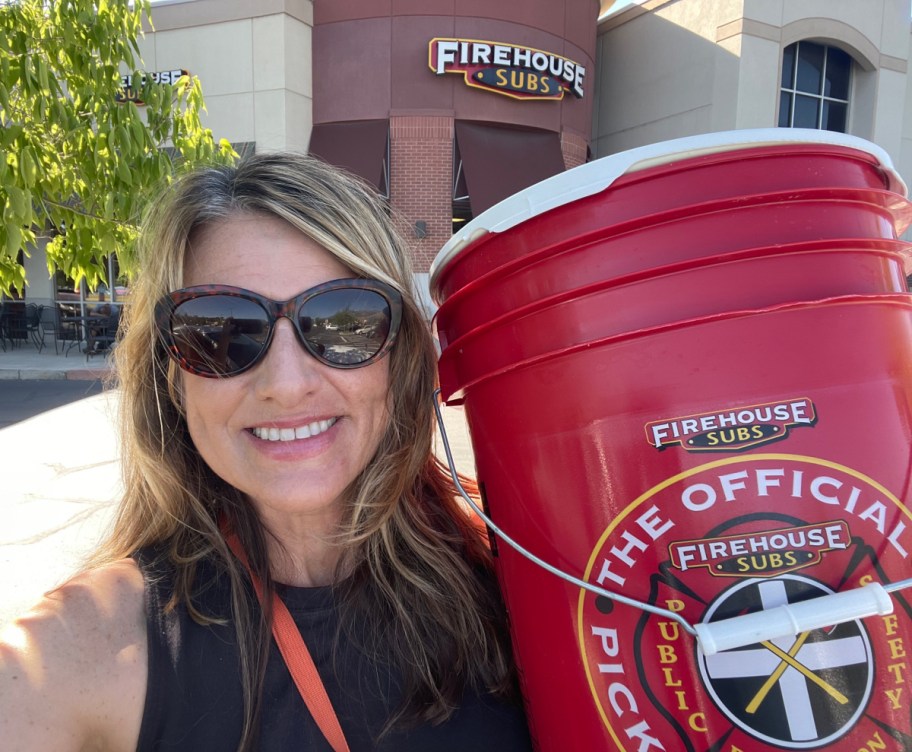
(415, 562)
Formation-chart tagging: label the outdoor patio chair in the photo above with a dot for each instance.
(101, 333)
(32, 324)
(12, 323)
(47, 324)
(69, 331)
(65, 334)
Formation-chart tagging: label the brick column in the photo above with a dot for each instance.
(573, 147)
(421, 182)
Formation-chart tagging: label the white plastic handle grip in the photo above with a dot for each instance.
(794, 618)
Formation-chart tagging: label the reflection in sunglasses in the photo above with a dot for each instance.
(206, 346)
(220, 330)
(227, 344)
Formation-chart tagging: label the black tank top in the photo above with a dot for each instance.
(194, 699)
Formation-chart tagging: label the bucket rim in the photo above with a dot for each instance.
(594, 177)
(894, 300)
(689, 267)
(651, 221)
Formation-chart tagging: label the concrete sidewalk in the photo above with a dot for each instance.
(25, 362)
(61, 478)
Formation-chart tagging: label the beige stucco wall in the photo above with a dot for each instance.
(253, 59)
(41, 285)
(660, 74)
(671, 68)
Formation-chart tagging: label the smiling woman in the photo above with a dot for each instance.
(277, 379)
(295, 483)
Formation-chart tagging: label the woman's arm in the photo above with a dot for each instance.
(73, 670)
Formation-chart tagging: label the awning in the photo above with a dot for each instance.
(359, 146)
(500, 161)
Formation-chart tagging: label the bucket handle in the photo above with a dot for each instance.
(786, 620)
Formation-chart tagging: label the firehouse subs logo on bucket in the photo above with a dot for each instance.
(734, 429)
(732, 537)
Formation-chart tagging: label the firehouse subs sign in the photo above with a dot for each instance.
(519, 72)
(129, 92)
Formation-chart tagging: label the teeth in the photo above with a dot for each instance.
(290, 434)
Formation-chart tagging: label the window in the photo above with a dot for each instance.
(76, 299)
(462, 206)
(815, 87)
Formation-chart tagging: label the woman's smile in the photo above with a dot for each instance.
(290, 434)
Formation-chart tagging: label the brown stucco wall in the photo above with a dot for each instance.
(370, 61)
(371, 58)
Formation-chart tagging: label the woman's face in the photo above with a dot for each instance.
(346, 410)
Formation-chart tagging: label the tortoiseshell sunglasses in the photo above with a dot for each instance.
(219, 330)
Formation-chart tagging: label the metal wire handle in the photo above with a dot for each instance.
(725, 634)
(686, 625)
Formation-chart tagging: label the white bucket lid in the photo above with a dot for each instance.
(594, 177)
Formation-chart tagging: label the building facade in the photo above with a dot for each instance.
(466, 103)
(448, 107)
(671, 68)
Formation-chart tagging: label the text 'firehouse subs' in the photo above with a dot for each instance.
(521, 72)
(732, 429)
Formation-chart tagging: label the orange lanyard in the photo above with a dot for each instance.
(297, 657)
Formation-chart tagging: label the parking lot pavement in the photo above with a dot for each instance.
(60, 480)
(21, 399)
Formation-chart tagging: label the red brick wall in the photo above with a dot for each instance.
(421, 181)
(573, 147)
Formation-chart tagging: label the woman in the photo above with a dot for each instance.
(276, 378)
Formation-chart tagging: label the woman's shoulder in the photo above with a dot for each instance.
(73, 668)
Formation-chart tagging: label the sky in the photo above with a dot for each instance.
(614, 8)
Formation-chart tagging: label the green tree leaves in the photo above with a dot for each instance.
(76, 164)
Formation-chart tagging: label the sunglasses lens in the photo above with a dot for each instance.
(219, 334)
(347, 326)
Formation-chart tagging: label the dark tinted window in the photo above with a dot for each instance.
(838, 65)
(815, 86)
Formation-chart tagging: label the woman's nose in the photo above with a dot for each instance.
(287, 372)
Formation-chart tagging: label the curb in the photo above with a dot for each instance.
(85, 374)
(79, 374)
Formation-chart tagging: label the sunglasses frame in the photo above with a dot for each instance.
(275, 309)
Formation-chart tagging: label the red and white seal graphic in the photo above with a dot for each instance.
(733, 537)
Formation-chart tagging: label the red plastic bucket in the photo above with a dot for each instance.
(647, 434)
(604, 309)
(687, 233)
(871, 265)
